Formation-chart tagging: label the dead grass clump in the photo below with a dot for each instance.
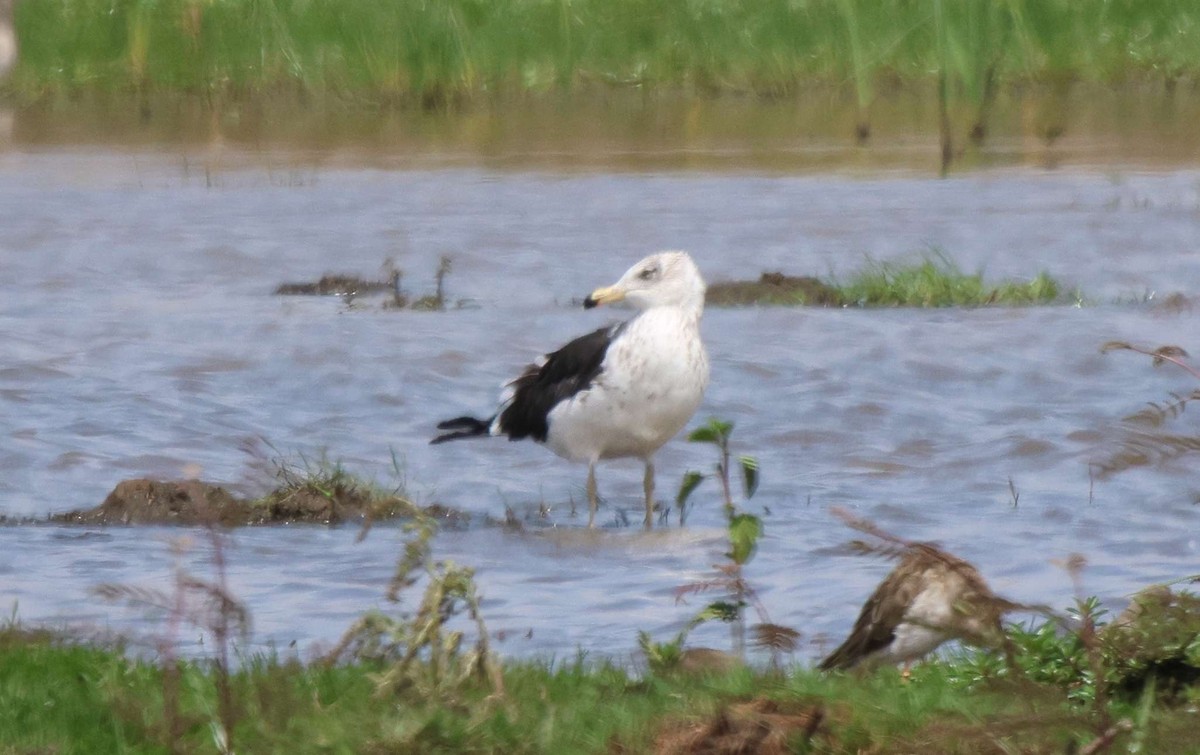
(423, 652)
(761, 725)
(1146, 436)
(331, 496)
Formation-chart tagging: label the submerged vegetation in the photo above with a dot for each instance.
(350, 287)
(935, 281)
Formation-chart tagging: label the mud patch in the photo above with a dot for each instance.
(763, 726)
(192, 502)
(336, 285)
(353, 288)
(774, 289)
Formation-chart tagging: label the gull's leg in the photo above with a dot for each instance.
(648, 486)
(593, 499)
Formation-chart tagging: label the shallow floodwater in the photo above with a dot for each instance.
(140, 337)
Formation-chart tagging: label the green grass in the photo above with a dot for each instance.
(60, 697)
(442, 51)
(937, 282)
(934, 281)
(81, 700)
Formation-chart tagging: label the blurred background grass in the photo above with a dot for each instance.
(434, 52)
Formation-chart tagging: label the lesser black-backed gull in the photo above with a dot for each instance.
(620, 391)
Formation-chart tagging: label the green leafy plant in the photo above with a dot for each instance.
(744, 532)
(1155, 645)
(662, 657)
(717, 432)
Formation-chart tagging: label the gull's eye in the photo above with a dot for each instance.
(648, 273)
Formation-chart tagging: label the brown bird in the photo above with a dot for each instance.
(929, 598)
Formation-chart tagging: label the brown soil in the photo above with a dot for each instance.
(758, 726)
(774, 289)
(192, 502)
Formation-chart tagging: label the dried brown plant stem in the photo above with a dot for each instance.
(1172, 354)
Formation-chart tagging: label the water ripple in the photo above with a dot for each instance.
(142, 339)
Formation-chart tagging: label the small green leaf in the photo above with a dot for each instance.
(716, 431)
(691, 480)
(645, 642)
(744, 531)
(720, 610)
(749, 474)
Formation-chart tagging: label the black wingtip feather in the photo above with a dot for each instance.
(462, 427)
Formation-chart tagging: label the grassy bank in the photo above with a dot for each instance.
(63, 698)
(446, 50)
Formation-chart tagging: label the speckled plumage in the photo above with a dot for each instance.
(930, 597)
(621, 391)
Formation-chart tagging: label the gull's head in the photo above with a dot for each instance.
(666, 279)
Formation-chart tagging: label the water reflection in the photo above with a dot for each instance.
(628, 130)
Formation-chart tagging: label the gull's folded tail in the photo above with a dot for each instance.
(462, 427)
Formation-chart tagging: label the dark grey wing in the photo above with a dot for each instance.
(566, 372)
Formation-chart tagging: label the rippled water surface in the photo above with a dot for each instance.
(140, 337)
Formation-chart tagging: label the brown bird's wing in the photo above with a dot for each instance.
(882, 613)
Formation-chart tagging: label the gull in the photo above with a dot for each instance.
(618, 392)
